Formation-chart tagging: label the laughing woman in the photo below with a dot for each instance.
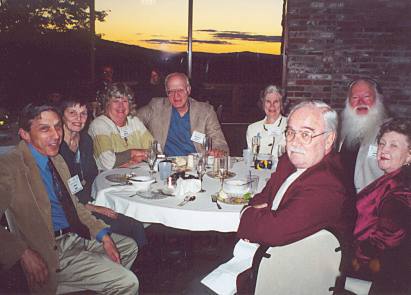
(382, 231)
(120, 139)
(77, 151)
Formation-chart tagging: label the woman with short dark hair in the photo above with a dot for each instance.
(77, 150)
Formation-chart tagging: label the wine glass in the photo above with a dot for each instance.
(208, 146)
(152, 157)
(201, 169)
(255, 144)
(222, 169)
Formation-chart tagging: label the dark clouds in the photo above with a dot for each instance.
(218, 38)
(183, 41)
(237, 35)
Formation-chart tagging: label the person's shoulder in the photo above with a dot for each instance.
(135, 122)
(256, 124)
(157, 101)
(329, 172)
(100, 124)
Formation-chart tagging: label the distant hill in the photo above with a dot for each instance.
(32, 67)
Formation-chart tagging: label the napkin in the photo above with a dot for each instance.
(223, 279)
(360, 287)
(186, 187)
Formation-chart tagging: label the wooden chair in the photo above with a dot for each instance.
(309, 266)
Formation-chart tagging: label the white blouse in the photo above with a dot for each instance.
(272, 137)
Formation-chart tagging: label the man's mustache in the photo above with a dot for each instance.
(362, 106)
(296, 150)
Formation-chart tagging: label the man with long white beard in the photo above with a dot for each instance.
(362, 116)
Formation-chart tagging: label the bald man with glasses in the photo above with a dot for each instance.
(180, 123)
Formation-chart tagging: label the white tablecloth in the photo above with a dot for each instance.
(199, 215)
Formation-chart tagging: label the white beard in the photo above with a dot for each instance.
(357, 129)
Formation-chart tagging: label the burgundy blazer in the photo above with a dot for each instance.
(317, 199)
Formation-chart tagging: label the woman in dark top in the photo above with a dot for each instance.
(383, 227)
(77, 150)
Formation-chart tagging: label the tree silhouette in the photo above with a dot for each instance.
(28, 17)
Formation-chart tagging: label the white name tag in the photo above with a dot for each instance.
(198, 137)
(372, 151)
(124, 132)
(74, 184)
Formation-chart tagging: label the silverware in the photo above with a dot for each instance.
(122, 184)
(132, 195)
(214, 199)
(186, 200)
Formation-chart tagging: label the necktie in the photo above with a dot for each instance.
(67, 203)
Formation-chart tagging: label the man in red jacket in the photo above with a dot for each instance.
(307, 192)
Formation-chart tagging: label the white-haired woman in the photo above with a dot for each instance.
(271, 128)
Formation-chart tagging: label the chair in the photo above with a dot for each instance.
(309, 266)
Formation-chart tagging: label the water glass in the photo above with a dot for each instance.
(165, 169)
(255, 145)
(252, 183)
(248, 157)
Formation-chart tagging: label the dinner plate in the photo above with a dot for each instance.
(118, 178)
(152, 195)
(214, 174)
(233, 200)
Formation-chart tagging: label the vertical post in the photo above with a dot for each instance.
(92, 42)
(284, 48)
(190, 39)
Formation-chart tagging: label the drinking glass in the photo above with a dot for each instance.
(164, 167)
(255, 144)
(152, 157)
(222, 169)
(248, 157)
(201, 170)
(252, 183)
(208, 146)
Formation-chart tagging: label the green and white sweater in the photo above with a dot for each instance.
(110, 149)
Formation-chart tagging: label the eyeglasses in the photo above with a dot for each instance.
(171, 92)
(305, 136)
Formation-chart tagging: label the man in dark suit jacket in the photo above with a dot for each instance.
(306, 193)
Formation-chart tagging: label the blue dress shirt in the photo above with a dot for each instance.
(178, 141)
(58, 216)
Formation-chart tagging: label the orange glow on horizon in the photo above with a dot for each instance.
(162, 25)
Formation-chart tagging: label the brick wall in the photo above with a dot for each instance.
(333, 42)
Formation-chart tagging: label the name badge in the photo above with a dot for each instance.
(198, 137)
(372, 151)
(124, 132)
(74, 184)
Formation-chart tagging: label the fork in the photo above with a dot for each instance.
(214, 199)
(186, 200)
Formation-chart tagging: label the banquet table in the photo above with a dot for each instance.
(198, 215)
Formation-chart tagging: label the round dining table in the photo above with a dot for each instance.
(201, 214)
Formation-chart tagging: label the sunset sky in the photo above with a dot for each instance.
(218, 25)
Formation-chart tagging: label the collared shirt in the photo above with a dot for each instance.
(58, 216)
(178, 141)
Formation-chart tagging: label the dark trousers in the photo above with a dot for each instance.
(126, 226)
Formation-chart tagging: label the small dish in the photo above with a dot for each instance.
(236, 186)
(142, 183)
(213, 174)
